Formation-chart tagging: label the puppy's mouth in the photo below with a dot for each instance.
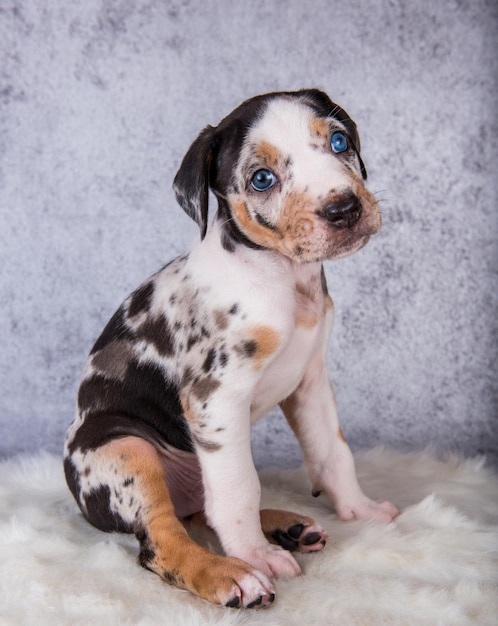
(349, 221)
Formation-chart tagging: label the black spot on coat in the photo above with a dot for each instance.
(144, 403)
(115, 329)
(141, 299)
(98, 512)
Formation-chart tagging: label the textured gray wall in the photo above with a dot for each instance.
(100, 99)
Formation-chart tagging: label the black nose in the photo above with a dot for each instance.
(343, 213)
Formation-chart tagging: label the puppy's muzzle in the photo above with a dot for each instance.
(343, 212)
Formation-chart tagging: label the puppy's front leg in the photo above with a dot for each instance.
(311, 413)
(231, 487)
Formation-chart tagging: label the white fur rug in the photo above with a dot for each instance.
(437, 564)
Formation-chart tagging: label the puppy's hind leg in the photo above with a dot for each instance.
(138, 500)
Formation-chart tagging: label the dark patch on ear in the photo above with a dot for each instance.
(192, 180)
(141, 299)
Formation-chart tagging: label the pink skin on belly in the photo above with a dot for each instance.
(184, 480)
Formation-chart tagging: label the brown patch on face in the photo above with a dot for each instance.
(268, 155)
(295, 233)
(255, 231)
(297, 223)
(113, 359)
(320, 128)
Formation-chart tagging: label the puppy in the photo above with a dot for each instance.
(215, 340)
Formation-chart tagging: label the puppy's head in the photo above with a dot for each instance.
(287, 172)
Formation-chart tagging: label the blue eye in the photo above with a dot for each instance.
(339, 142)
(263, 180)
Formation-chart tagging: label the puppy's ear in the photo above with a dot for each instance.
(191, 184)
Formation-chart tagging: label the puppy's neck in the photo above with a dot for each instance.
(262, 262)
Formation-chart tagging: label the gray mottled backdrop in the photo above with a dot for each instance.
(100, 99)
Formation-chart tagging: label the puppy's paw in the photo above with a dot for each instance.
(245, 589)
(367, 509)
(294, 532)
(272, 561)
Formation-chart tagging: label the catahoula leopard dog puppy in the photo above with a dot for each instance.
(218, 337)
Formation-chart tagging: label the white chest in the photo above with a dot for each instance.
(285, 373)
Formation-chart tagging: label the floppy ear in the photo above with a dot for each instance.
(191, 184)
(324, 106)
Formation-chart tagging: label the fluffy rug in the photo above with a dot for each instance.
(436, 564)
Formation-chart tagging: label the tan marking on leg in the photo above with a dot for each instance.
(166, 548)
(297, 222)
